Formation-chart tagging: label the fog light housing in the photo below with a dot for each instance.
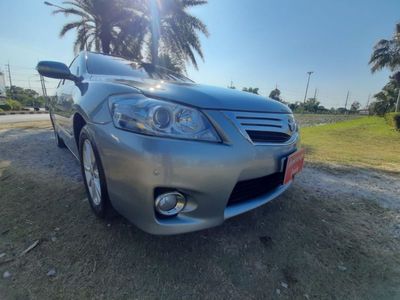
(170, 204)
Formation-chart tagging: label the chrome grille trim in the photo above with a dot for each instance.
(263, 122)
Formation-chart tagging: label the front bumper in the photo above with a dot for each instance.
(136, 165)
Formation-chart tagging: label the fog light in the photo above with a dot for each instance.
(170, 204)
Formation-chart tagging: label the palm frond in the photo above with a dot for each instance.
(67, 27)
(191, 3)
(124, 27)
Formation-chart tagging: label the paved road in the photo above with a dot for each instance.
(23, 118)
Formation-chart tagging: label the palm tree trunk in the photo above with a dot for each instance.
(155, 31)
(105, 44)
(105, 39)
(154, 50)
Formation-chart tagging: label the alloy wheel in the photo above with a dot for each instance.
(91, 172)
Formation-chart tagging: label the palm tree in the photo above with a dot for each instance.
(162, 30)
(98, 25)
(166, 28)
(251, 90)
(172, 63)
(276, 95)
(386, 53)
(386, 98)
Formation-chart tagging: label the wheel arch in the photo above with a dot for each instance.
(78, 123)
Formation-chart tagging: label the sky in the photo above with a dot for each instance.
(253, 43)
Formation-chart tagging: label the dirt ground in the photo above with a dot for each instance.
(335, 234)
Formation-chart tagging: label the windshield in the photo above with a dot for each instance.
(115, 66)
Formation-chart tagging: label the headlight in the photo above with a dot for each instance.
(160, 118)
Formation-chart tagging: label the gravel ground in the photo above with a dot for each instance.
(334, 234)
(36, 153)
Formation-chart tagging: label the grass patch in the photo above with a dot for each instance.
(366, 142)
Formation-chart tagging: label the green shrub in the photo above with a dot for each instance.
(393, 119)
(5, 106)
(14, 104)
(1, 110)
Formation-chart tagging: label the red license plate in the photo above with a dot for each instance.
(294, 165)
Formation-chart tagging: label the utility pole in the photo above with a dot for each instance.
(369, 98)
(347, 99)
(43, 87)
(398, 102)
(315, 94)
(308, 83)
(9, 78)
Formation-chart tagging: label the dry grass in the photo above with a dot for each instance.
(26, 125)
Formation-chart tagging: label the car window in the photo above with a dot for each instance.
(110, 65)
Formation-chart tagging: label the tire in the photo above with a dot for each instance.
(59, 141)
(94, 179)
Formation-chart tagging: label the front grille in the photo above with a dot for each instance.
(249, 189)
(267, 136)
(264, 128)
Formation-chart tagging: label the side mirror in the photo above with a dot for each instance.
(57, 70)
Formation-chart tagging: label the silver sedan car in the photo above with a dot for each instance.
(170, 155)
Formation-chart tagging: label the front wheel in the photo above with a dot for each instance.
(93, 175)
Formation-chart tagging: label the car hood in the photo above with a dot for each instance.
(204, 96)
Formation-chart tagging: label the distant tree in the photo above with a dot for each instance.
(297, 107)
(355, 106)
(311, 105)
(276, 95)
(25, 96)
(322, 109)
(40, 101)
(232, 86)
(251, 90)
